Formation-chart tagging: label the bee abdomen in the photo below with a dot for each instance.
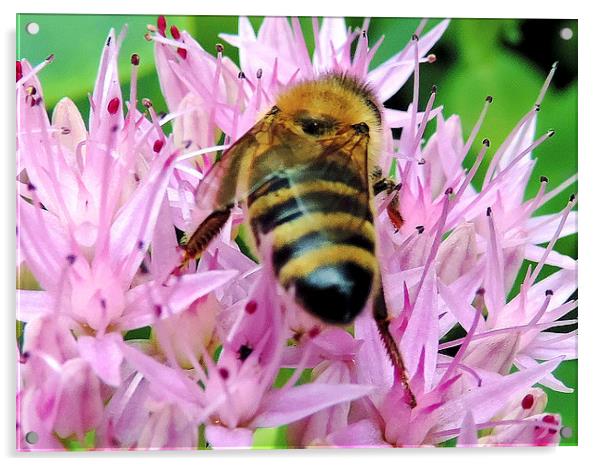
(285, 210)
(323, 241)
(336, 293)
(331, 271)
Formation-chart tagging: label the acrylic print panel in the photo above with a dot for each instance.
(204, 232)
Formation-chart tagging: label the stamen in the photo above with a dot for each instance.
(469, 370)
(517, 328)
(473, 170)
(505, 422)
(182, 53)
(34, 70)
(554, 192)
(175, 32)
(546, 84)
(425, 117)
(19, 70)
(416, 83)
(460, 354)
(565, 213)
(477, 127)
(437, 240)
(530, 148)
(196, 153)
(300, 366)
(523, 123)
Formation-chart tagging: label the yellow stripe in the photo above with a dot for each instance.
(291, 231)
(328, 255)
(268, 201)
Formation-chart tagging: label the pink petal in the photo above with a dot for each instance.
(32, 304)
(80, 404)
(388, 78)
(133, 227)
(373, 364)
(423, 331)
(486, 401)
(550, 381)
(169, 428)
(535, 253)
(286, 406)
(104, 356)
(222, 437)
(166, 384)
(468, 432)
(142, 301)
(106, 88)
(542, 228)
(362, 434)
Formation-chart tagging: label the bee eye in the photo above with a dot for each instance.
(312, 127)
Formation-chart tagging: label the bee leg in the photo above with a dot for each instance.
(382, 322)
(388, 185)
(207, 230)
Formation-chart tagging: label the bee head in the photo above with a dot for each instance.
(322, 106)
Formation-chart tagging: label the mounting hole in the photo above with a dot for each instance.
(566, 432)
(32, 28)
(31, 438)
(566, 33)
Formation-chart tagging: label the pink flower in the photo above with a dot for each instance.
(237, 394)
(88, 205)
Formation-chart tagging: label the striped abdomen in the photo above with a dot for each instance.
(323, 238)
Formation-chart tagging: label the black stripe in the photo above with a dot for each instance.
(335, 293)
(316, 240)
(321, 201)
(335, 168)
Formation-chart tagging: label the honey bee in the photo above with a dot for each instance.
(307, 173)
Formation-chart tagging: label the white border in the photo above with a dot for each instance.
(590, 231)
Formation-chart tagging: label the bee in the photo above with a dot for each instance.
(307, 173)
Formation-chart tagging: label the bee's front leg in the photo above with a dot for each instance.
(389, 186)
(381, 317)
(207, 230)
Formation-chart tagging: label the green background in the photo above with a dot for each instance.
(506, 58)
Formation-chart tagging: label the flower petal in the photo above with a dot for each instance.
(286, 406)
(222, 437)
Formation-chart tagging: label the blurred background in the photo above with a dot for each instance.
(505, 58)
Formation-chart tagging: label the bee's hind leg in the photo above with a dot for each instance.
(381, 317)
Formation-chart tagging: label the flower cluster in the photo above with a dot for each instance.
(118, 347)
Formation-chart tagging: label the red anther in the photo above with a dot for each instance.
(314, 332)
(113, 105)
(549, 418)
(528, 401)
(161, 25)
(135, 60)
(175, 32)
(158, 145)
(224, 373)
(19, 70)
(251, 307)
(182, 53)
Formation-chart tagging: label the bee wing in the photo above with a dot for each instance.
(221, 187)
